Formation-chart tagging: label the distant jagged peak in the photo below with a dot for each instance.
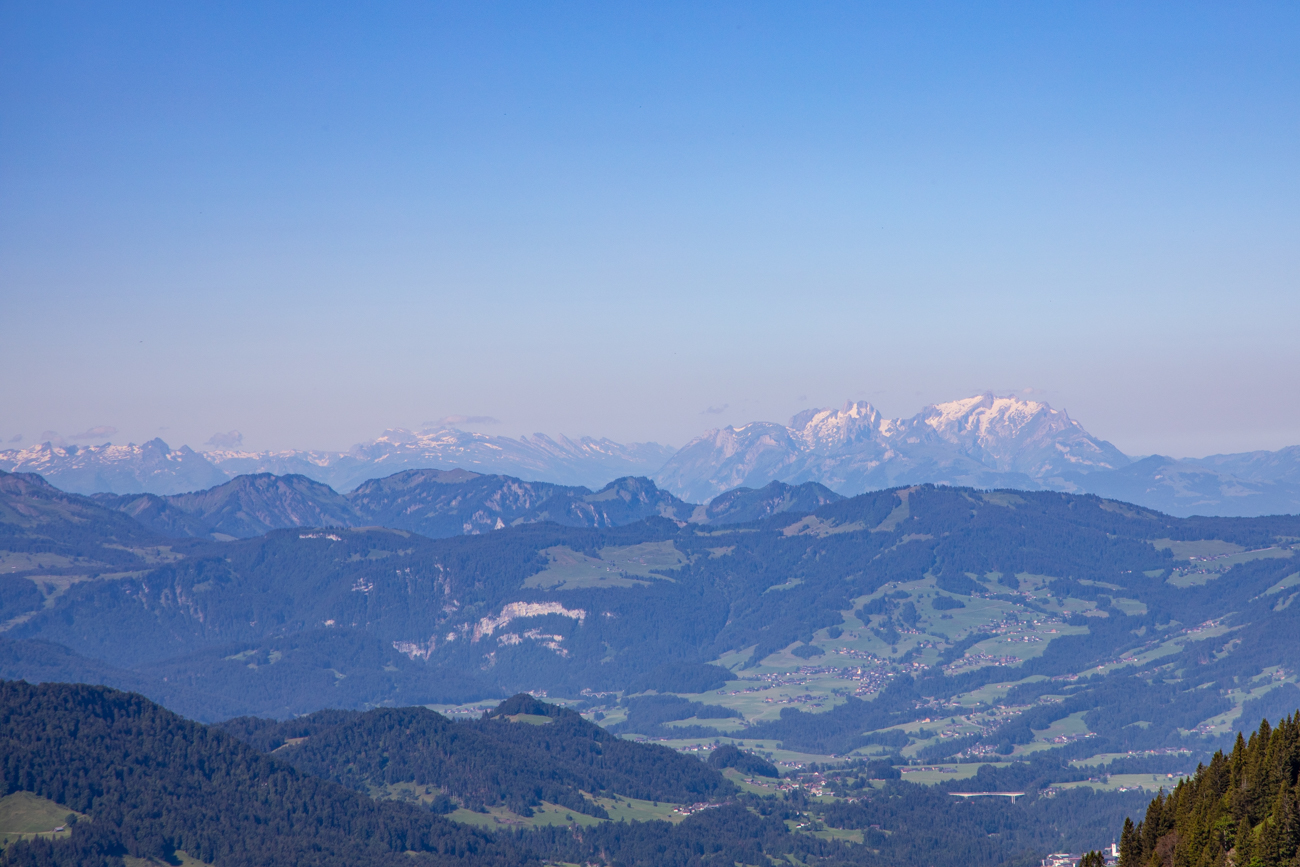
(402, 436)
(398, 436)
(831, 428)
(49, 451)
(853, 410)
(538, 446)
(983, 420)
(741, 505)
(265, 481)
(985, 440)
(564, 446)
(219, 456)
(629, 487)
(734, 438)
(1010, 433)
(987, 416)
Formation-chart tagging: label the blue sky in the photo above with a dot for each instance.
(310, 222)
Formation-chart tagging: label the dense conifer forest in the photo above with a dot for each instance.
(1242, 809)
(486, 762)
(152, 783)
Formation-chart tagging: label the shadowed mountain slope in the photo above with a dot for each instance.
(746, 504)
(241, 508)
(440, 503)
(1201, 487)
(154, 783)
(50, 541)
(502, 759)
(433, 503)
(31, 507)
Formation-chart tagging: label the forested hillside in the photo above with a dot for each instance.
(149, 785)
(240, 508)
(433, 503)
(153, 783)
(552, 755)
(742, 505)
(943, 624)
(1243, 808)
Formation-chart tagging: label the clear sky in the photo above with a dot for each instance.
(310, 222)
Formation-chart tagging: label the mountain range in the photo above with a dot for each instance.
(437, 504)
(923, 597)
(982, 441)
(156, 468)
(1065, 637)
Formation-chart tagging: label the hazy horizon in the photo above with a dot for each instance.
(235, 440)
(312, 222)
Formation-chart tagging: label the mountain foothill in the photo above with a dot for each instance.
(983, 441)
(883, 607)
(94, 777)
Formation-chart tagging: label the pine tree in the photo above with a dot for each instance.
(1152, 826)
(1245, 849)
(1130, 846)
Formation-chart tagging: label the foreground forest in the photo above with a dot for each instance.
(148, 784)
(1243, 808)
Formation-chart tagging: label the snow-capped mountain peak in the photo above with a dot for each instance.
(983, 441)
(828, 429)
(988, 418)
(156, 468)
(1014, 435)
(152, 466)
(994, 423)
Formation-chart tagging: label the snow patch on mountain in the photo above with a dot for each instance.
(156, 468)
(982, 441)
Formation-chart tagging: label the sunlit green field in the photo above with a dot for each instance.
(24, 814)
(620, 809)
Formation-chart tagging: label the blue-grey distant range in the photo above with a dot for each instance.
(983, 441)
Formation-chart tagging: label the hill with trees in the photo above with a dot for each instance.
(152, 783)
(1242, 809)
(520, 754)
(433, 503)
(142, 783)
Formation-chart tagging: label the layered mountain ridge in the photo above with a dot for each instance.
(985, 441)
(155, 467)
(908, 593)
(437, 504)
(585, 461)
(433, 503)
